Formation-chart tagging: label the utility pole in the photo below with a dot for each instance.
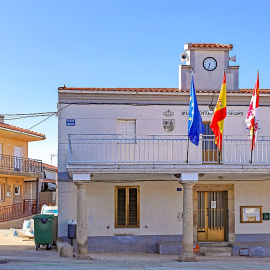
(53, 155)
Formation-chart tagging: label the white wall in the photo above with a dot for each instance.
(160, 203)
(252, 193)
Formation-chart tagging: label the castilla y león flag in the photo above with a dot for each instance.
(217, 123)
(252, 115)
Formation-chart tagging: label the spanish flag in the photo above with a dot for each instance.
(217, 123)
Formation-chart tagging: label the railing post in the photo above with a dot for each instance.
(153, 149)
(69, 149)
(187, 147)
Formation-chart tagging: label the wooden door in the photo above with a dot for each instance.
(212, 218)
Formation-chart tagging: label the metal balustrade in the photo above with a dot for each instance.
(26, 208)
(158, 149)
(20, 164)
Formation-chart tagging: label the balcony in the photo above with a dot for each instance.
(106, 151)
(19, 210)
(19, 165)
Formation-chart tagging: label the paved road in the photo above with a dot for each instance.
(20, 254)
(131, 262)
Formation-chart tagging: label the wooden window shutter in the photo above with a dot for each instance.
(133, 209)
(121, 206)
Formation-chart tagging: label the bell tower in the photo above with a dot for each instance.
(208, 62)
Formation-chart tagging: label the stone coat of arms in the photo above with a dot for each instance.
(168, 124)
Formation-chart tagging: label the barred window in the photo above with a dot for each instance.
(126, 129)
(127, 207)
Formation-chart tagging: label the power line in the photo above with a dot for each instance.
(37, 123)
(9, 117)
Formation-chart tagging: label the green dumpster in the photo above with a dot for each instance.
(45, 230)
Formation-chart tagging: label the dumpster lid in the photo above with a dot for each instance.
(73, 222)
(49, 209)
(36, 217)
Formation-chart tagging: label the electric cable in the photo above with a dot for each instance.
(37, 123)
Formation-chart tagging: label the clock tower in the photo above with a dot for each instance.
(208, 62)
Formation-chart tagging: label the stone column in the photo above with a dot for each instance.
(187, 250)
(82, 233)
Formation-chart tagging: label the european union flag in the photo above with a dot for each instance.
(195, 124)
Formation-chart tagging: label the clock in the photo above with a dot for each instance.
(210, 63)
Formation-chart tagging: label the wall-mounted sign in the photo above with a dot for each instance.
(250, 214)
(179, 189)
(70, 122)
(266, 216)
(213, 204)
(179, 216)
(211, 113)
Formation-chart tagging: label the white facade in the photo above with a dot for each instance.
(90, 144)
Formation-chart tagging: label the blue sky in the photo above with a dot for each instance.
(46, 44)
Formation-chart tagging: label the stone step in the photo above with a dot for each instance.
(205, 248)
(170, 248)
(218, 254)
(215, 249)
(215, 244)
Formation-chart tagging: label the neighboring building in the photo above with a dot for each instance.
(18, 173)
(125, 162)
(48, 184)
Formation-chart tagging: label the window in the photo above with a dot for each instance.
(18, 158)
(1, 155)
(2, 191)
(210, 151)
(17, 190)
(127, 207)
(126, 129)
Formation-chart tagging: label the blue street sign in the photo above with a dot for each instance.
(70, 122)
(179, 189)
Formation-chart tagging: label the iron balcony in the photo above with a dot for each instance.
(113, 149)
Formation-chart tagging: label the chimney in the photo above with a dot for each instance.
(2, 118)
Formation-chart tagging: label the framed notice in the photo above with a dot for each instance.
(251, 214)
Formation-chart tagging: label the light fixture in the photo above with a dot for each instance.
(211, 107)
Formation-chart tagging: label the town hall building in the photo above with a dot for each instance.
(129, 176)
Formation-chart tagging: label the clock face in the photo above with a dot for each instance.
(210, 63)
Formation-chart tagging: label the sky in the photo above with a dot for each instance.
(46, 44)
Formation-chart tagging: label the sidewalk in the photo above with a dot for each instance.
(20, 254)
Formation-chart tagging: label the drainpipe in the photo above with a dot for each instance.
(37, 195)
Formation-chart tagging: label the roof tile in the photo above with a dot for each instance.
(158, 90)
(14, 128)
(209, 45)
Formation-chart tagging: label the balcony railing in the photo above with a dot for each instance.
(158, 149)
(20, 164)
(19, 210)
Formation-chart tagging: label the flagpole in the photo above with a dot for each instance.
(188, 136)
(187, 148)
(252, 144)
